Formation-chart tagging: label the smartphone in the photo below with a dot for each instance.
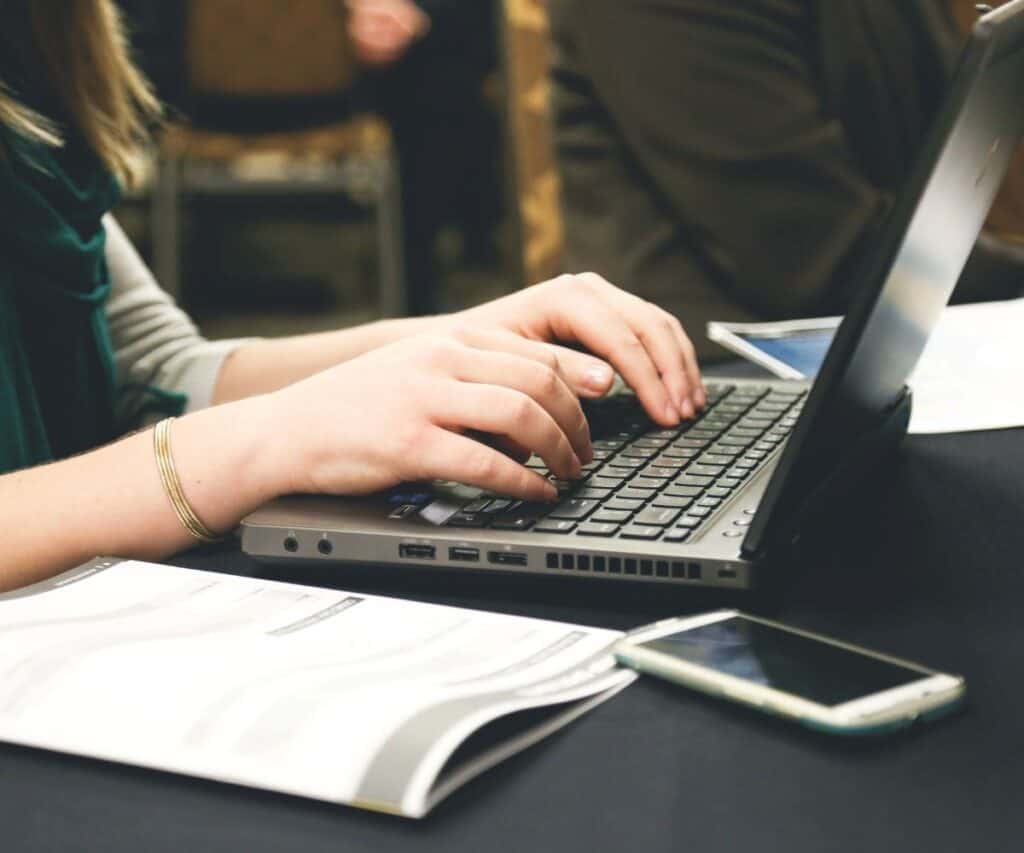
(819, 682)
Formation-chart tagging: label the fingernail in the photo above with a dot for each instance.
(550, 492)
(687, 409)
(671, 412)
(598, 376)
(700, 397)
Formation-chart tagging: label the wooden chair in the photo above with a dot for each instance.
(527, 63)
(265, 52)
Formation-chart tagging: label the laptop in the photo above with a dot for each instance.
(709, 503)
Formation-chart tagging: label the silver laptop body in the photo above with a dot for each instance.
(835, 431)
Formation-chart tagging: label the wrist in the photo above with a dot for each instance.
(231, 459)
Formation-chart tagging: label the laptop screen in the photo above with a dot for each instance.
(908, 275)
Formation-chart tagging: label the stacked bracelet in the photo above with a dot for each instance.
(172, 485)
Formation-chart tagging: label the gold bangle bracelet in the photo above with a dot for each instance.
(172, 486)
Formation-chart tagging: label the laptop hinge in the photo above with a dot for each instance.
(859, 461)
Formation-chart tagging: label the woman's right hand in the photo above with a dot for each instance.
(402, 413)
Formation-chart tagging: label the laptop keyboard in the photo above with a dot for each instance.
(650, 483)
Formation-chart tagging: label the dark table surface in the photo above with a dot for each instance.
(927, 565)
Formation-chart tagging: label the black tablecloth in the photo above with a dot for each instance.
(925, 565)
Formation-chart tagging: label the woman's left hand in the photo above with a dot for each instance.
(644, 343)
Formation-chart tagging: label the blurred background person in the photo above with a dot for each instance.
(427, 62)
(730, 161)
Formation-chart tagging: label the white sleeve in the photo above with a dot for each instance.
(158, 350)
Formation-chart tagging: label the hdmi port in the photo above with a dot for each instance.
(506, 558)
(417, 552)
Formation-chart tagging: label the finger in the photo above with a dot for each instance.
(541, 383)
(505, 445)
(656, 329)
(449, 456)
(585, 375)
(606, 333)
(692, 366)
(511, 414)
(652, 326)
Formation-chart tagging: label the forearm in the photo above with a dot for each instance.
(111, 501)
(267, 365)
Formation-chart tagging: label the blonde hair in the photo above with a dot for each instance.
(85, 55)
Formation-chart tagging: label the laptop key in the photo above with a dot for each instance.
(622, 503)
(659, 472)
(573, 508)
(468, 519)
(705, 470)
(668, 500)
(693, 480)
(555, 525)
(676, 491)
(594, 528)
(646, 483)
(675, 453)
(728, 482)
(714, 459)
(608, 483)
(676, 534)
(634, 494)
(657, 516)
(640, 531)
(614, 516)
(513, 522)
(589, 492)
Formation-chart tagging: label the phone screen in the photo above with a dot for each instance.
(792, 663)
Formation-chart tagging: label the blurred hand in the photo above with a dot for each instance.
(383, 30)
(645, 344)
(401, 413)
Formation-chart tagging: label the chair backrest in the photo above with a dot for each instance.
(268, 48)
(527, 63)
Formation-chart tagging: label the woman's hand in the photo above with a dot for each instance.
(401, 413)
(645, 344)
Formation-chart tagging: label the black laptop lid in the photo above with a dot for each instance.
(908, 277)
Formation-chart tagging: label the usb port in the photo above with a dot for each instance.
(506, 558)
(467, 555)
(417, 552)
(727, 574)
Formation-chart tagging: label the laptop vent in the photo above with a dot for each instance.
(676, 569)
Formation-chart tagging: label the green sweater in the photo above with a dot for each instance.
(56, 366)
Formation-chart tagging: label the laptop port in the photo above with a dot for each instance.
(291, 544)
(727, 574)
(417, 552)
(324, 546)
(466, 555)
(506, 558)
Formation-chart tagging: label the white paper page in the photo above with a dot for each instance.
(293, 688)
(971, 374)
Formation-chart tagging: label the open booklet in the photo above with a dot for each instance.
(364, 700)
